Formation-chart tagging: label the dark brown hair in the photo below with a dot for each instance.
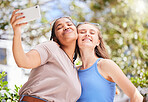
(54, 38)
(53, 35)
(100, 50)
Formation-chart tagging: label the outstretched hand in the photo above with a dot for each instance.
(15, 20)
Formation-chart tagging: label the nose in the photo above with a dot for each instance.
(66, 27)
(87, 34)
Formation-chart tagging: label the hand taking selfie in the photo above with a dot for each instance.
(14, 22)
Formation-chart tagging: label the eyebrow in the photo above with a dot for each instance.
(81, 29)
(93, 30)
(61, 23)
(85, 29)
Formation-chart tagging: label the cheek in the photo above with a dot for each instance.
(79, 38)
(75, 30)
(76, 35)
(96, 39)
(58, 33)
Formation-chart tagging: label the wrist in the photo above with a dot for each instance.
(17, 36)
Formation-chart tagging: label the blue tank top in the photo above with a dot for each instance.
(95, 88)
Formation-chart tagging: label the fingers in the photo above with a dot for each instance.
(14, 17)
(15, 11)
(22, 24)
(17, 20)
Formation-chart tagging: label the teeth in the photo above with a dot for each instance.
(87, 39)
(68, 30)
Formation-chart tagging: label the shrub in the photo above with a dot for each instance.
(5, 93)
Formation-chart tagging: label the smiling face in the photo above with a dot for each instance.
(87, 36)
(65, 31)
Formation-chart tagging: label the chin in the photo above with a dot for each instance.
(71, 37)
(87, 45)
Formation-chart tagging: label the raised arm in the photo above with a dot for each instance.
(26, 60)
(116, 74)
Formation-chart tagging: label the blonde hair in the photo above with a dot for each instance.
(100, 50)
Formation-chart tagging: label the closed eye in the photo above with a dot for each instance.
(82, 31)
(69, 24)
(92, 32)
(59, 27)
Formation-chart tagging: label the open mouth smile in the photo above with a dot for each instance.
(87, 39)
(68, 31)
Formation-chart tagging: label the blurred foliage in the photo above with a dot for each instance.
(78, 62)
(124, 30)
(5, 93)
(141, 81)
(33, 32)
(123, 25)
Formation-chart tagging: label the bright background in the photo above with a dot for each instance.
(124, 26)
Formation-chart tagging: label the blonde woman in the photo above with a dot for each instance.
(99, 74)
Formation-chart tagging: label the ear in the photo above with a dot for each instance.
(55, 39)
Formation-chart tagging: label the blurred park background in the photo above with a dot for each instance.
(124, 26)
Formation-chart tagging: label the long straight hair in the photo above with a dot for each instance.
(100, 50)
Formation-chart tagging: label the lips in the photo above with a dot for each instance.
(87, 39)
(68, 31)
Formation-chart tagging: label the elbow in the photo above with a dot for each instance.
(140, 98)
(20, 66)
(21, 63)
(23, 66)
(137, 97)
(27, 64)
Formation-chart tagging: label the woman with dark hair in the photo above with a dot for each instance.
(53, 77)
(99, 74)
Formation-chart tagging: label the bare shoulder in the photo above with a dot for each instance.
(107, 64)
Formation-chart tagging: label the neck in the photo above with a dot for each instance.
(69, 50)
(88, 57)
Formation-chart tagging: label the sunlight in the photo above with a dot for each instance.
(139, 6)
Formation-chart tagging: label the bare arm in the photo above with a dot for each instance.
(113, 70)
(26, 60)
